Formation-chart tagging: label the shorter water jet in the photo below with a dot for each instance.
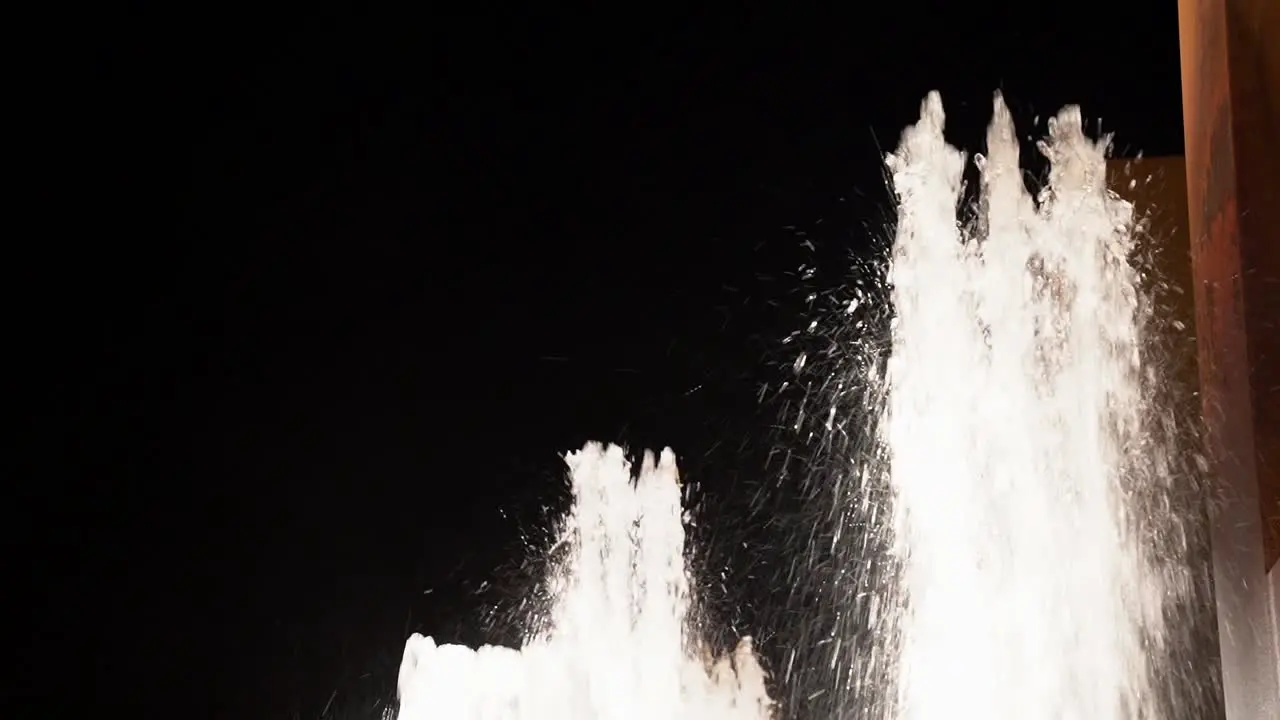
(618, 642)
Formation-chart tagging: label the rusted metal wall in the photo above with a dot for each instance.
(1231, 112)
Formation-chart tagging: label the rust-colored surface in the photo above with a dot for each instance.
(1231, 110)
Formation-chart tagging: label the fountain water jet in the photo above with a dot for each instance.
(1025, 470)
(618, 643)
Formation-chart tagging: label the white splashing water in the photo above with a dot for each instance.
(1037, 545)
(1016, 438)
(619, 643)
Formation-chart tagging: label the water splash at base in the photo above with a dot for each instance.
(618, 644)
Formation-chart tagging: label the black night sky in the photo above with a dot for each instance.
(357, 279)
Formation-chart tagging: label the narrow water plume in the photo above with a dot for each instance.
(1025, 472)
(618, 642)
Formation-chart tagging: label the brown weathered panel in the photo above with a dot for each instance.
(1231, 88)
(1253, 44)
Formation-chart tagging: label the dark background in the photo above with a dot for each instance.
(355, 279)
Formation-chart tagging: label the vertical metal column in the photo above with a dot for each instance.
(1231, 110)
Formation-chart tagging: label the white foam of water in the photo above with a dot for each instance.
(1014, 417)
(619, 643)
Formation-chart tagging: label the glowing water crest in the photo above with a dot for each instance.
(619, 643)
(1016, 437)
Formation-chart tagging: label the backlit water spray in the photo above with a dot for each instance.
(1001, 526)
(1018, 441)
(1007, 491)
(619, 642)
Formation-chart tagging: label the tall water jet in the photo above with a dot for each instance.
(1032, 486)
(618, 642)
